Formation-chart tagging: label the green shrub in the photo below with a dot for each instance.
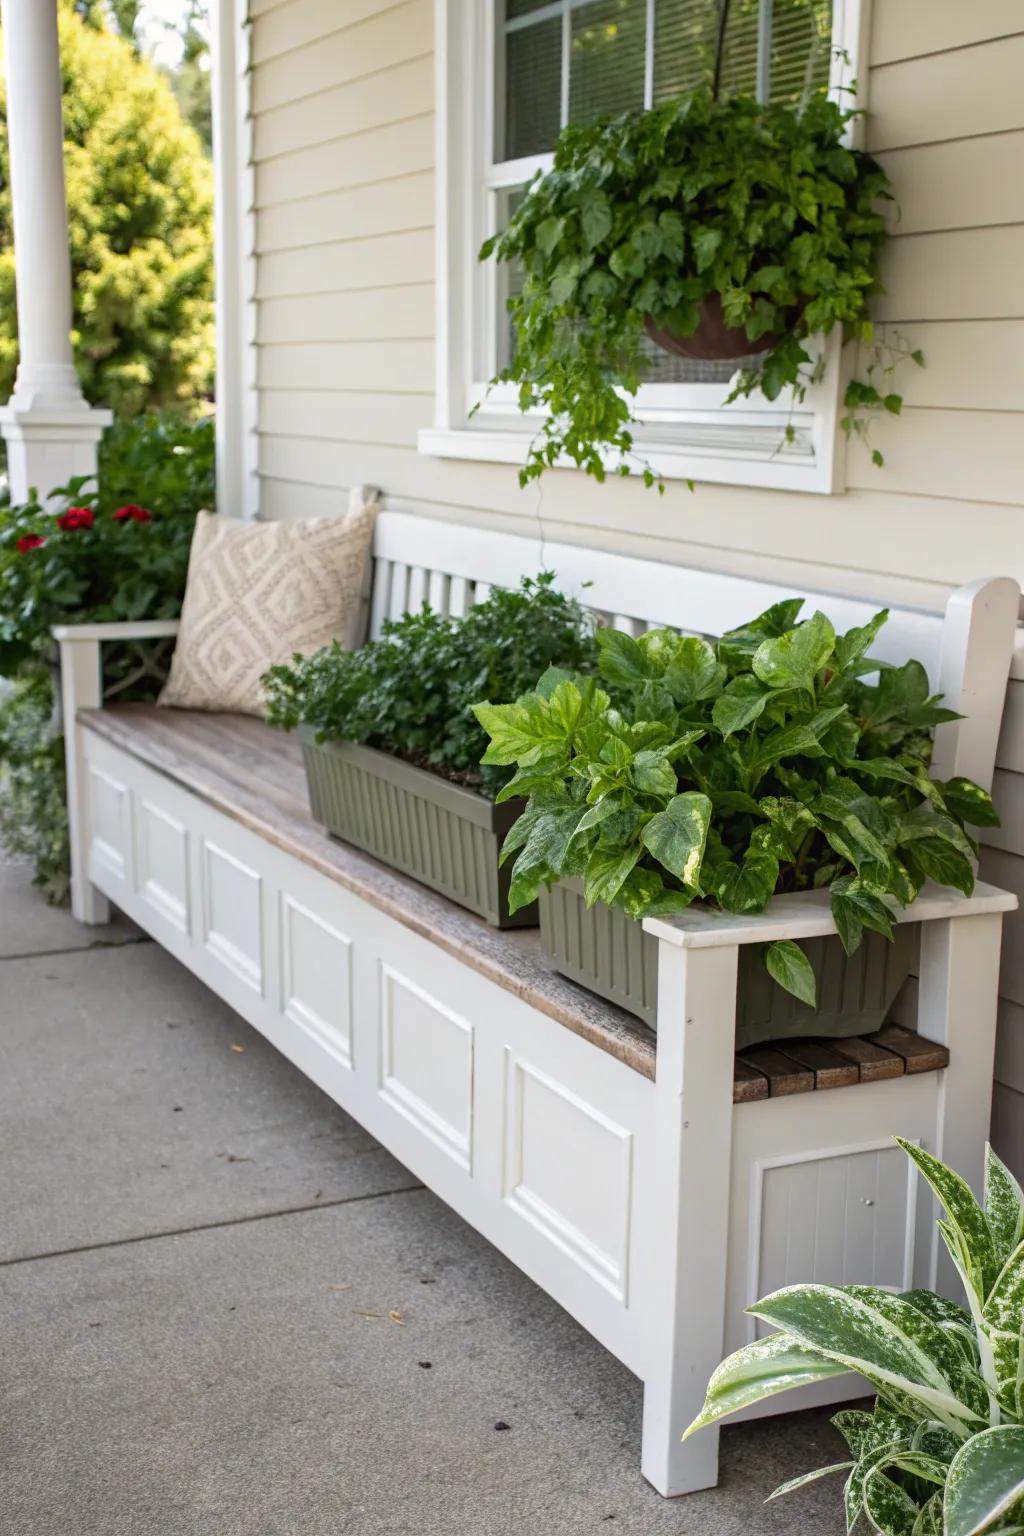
(730, 770)
(943, 1452)
(33, 807)
(119, 553)
(761, 206)
(412, 691)
(140, 199)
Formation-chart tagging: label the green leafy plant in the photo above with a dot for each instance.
(943, 1452)
(727, 771)
(411, 692)
(33, 808)
(114, 554)
(761, 208)
(117, 553)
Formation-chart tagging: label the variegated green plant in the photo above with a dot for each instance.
(943, 1452)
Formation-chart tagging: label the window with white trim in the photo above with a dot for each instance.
(511, 74)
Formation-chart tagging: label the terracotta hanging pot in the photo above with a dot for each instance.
(713, 340)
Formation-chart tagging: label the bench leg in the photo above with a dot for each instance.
(81, 687)
(685, 1206)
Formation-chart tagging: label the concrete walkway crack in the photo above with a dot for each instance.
(210, 1226)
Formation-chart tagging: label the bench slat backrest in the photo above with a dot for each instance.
(965, 650)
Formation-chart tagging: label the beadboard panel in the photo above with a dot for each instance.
(356, 417)
(369, 47)
(1008, 1127)
(396, 366)
(347, 162)
(902, 29)
(1007, 870)
(968, 274)
(355, 107)
(379, 261)
(951, 95)
(987, 172)
(1010, 1046)
(1010, 753)
(299, 22)
(406, 202)
(372, 314)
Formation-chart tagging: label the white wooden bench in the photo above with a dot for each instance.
(618, 1174)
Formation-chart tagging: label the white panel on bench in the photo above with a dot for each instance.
(581, 1203)
(232, 914)
(426, 1066)
(110, 824)
(834, 1218)
(162, 863)
(630, 590)
(316, 979)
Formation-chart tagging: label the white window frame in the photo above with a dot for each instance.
(687, 432)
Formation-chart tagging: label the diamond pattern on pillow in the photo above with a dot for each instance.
(259, 592)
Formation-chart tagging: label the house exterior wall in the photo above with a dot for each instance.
(343, 142)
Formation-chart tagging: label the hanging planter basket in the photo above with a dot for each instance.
(713, 341)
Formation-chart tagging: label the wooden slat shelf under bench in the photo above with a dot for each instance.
(255, 775)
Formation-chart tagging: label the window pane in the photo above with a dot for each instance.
(606, 64)
(686, 42)
(508, 280)
(533, 88)
(801, 45)
(666, 368)
(514, 8)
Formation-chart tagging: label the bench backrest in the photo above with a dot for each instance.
(966, 650)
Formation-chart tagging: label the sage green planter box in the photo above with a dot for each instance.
(610, 953)
(446, 836)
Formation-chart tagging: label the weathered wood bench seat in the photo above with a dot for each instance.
(255, 775)
(654, 1186)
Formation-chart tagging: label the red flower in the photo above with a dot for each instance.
(29, 541)
(75, 517)
(132, 513)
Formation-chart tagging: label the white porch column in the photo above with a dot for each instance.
(51, 432)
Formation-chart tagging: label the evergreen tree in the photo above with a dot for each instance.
(140, 204)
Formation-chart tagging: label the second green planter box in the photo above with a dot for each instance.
(441, 834)
(610, 953)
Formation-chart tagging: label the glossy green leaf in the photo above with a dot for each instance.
(695, 673)
(676, 835)
(794, 659)
(787, 964)
(1004, 1206)
(985, 1487)
(760, 1370)
(965, 1217)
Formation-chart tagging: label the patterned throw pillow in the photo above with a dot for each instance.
(259, 592)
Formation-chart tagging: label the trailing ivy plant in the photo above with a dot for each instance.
(651, 214)
(943, 1452)
(727, 771)
(411, 692)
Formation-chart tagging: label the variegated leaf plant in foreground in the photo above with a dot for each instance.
(942, 1454)
(779, 758)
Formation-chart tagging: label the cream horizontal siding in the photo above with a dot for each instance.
(392, 36)
(344, 193)
(355, 107)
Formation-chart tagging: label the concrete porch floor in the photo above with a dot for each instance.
(226, 1311)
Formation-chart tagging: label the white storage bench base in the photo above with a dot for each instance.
(623, 1180)
(620, 1177)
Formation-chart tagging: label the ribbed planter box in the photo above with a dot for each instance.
(446, 836)
(612, 955)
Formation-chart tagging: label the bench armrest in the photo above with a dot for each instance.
(138, 629)
(807, 915)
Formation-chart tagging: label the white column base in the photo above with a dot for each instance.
(47, 446)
